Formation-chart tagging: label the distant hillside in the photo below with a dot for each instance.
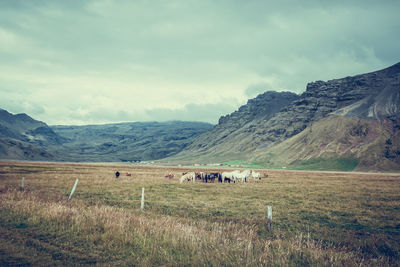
(282, 138)
(126, 141)
(17, 150)
(23, 128)
(24, 138)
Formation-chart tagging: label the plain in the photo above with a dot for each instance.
(319, 218)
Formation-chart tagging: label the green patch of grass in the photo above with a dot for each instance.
(243, 164)
(333, 164)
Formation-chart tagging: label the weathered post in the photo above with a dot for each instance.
(142, 202)
(23, 183)
(73, 189)
(269, 219)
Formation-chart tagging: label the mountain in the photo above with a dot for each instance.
(22, 137)
(338, 143)
(136, 141)
(352, 122)
(12, 149)
(235, 133)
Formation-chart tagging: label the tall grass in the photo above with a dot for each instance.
(319, 219)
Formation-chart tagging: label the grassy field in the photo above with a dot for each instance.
(319, 218)
(327, 164)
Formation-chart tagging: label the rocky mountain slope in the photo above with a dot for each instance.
(22, 137)
(234, 133)
(371, 99)
(12, 149)
(23, 128)
(338, 142)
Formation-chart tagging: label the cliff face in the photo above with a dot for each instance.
(380, 90)
(235, 132)
(263, 107)
(251, 130)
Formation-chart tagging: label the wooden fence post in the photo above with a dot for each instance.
(269, 219)
(23, 183)
(142, 202)
(73, 189)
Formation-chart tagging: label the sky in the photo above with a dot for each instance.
(81, 62)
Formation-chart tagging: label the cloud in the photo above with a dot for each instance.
(253, 90)
(194, 112)
(104, 61)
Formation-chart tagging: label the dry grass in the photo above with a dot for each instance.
(319, 218)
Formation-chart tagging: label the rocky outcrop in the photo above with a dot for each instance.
(322, 98)
(235, 132)
(263, 107)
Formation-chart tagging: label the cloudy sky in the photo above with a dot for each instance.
(100, 61)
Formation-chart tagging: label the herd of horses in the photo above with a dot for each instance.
(221, 177)
(211, 177)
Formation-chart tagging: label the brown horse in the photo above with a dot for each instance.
(169, 175)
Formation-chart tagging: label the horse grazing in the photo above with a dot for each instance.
(190, 176)
(210, 177)
(241, 175)
(200, 176)
(228, 176)
(256, 175)
(169, 175)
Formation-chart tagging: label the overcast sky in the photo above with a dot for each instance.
(85, 62)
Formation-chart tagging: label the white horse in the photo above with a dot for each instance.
(228, 176)
(242, 175)
(256, 175)
(190, 176)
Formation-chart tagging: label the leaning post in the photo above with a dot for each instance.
(269, 219)
(142, 202)
(73, 189)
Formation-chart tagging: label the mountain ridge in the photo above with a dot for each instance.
(24, 138)
(129, 141)
(353, 122)
(373, 96)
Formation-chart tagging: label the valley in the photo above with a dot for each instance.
(345, 124)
